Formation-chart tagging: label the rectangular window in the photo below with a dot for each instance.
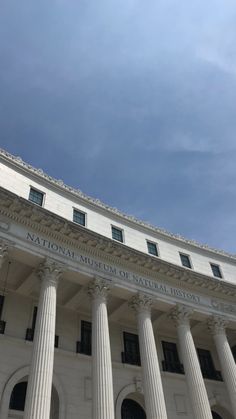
(30, 331)
(152, 248)
(2, 298)
(171, 361)
(85, 344)
(207, 365)
(117, 234)
(131, 354)
(2, 323)
(233, 349)
(185, 260)
(36, 196)
(216, 270)
(79, 217)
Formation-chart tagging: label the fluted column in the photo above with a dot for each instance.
(152, 383)
(102, 388)
(196, 386)
(38, 398)
(217, 326)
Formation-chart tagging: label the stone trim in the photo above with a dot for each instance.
(99, 204)
(41, 220)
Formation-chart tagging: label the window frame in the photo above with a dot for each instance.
(81, 212)
(220, 270)
(122, 233)
(176, 366)
(189, 259)
(41, 192)
(156, 246)
(128, 357)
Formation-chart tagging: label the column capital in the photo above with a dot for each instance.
(141, 303)
(217, 324)
(181, 314)
(50, 270)
(99, 289)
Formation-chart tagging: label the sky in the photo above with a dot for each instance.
(132, 102)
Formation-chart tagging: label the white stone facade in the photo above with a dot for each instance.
(184, 319)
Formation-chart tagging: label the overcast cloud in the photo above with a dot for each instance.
(133, 102)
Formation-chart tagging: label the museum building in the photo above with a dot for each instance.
(103, 316)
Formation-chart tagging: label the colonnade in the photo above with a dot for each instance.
(41, 370)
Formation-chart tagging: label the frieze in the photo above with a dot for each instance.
(155, 287)
(65, 232)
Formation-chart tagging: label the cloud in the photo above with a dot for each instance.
(132, 102)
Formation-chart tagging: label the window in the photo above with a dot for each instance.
(18, 395)
(79, 217)
(117, 234)
(216, 270)
(2, 298)
(2, 323)
(85, 344)
(131, 354)
(30, 331)
(233, 349)
(152, 248)
(185, 259)
(207, 365)
(171, 361)
(132, 410)
(36, 196)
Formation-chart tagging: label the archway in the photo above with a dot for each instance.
(220, 412)
(130, 409)
(21, 375)
(17, 401)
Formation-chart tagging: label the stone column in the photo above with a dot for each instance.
(196, 387)
(38, 398)
(152, 383)
(217, 326)
(102, 387)
(3, 252)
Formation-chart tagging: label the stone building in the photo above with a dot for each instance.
(105, 317)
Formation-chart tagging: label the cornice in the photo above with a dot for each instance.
(17, 161)
(42, 221)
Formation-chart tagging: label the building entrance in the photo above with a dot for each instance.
(132, 410)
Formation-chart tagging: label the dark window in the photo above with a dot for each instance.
(131, 354)
(185, 260)
(215, 415)
(117, 234)
(56, 341)
(85, 345)
(36, 197)
(2, 298)
(79, 217)
(216, 270)
(17, 401)
(30, 331)
(132, 410)
(234, 352)
(207, 365)
(152, 248)
(171, 361)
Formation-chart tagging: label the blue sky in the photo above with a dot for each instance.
(132, 102)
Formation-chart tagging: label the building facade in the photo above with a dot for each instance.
(105, 317)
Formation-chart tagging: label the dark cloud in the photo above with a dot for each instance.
(133, 103)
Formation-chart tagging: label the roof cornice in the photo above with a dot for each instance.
(39, 219)
(17, 161)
